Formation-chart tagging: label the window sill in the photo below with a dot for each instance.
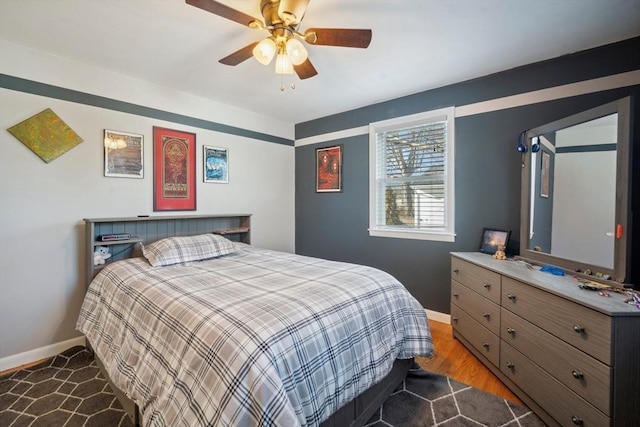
(413, 234)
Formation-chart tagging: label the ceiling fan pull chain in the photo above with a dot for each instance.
(293, 83)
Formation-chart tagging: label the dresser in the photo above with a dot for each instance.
(572, 355)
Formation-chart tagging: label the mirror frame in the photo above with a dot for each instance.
(620, 272)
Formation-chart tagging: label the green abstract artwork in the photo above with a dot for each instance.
(46, 134)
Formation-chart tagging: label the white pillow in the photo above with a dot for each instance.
(174, 250)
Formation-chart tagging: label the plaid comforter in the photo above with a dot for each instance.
(256, 337)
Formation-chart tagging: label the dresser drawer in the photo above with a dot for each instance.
(561, 403)
(487, 343)
(586, 329)
(481, 280)
(484, 311)
(580, 372)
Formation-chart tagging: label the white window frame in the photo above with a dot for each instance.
(445, 234)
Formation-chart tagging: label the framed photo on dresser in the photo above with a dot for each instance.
(492, 239)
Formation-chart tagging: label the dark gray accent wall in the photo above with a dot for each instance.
(487, 169)
(603, 61)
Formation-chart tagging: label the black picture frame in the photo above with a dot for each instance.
(492, 238)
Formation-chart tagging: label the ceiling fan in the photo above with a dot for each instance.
(281, 19)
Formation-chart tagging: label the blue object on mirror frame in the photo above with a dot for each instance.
(521, 146)
(535, 147)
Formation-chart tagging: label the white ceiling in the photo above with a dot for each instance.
(417, 45)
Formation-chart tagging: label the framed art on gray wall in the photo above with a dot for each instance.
(329, 169)
(215, 166)
(123, 154)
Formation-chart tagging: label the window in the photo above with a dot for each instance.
(411, 182)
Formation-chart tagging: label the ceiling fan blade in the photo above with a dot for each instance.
(338, 37)
(292, 11)
(239, 55)
(305, 70)
(224, 11)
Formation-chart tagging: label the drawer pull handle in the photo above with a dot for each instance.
(511, 366)
(576, 420)
(486, 345)
(511, 331)
(456, 295)
(456, 271)
(577, 374)
(578, 328)
(511, 297)
(455, 319)
(486, 315)
(487, 286)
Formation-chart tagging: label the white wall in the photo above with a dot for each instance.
(584, 196)
(42, 205)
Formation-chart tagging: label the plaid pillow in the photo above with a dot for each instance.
(174, 250)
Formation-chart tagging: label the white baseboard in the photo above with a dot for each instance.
(36, 354)
(438, 317)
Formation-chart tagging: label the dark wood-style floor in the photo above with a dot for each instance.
(455, 361)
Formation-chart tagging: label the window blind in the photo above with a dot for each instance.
(411, 177)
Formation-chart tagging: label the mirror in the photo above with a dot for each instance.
(575, 192)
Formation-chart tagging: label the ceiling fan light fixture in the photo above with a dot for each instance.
(296, 51)
(264, 51)
(283, 64)
(282, 19)
(292, 11)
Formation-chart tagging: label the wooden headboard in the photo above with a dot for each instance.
(148, 229)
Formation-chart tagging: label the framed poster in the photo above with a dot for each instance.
(329, 169)
(174, 170)
(123, 154)
(544, 174)
(215, 166)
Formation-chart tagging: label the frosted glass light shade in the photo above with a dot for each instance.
(264, 51)
(283, 64)
(296, 51)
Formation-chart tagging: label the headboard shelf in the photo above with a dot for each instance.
(235, 230)
(133, 239)
(147, 229)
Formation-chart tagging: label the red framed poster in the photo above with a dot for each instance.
(174, 170)
(329, 169)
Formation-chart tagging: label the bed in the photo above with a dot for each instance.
(201, 330)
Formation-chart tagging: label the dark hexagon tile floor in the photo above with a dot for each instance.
(432, 399)
(68, 390)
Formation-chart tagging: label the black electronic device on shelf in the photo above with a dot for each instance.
(114, 237)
